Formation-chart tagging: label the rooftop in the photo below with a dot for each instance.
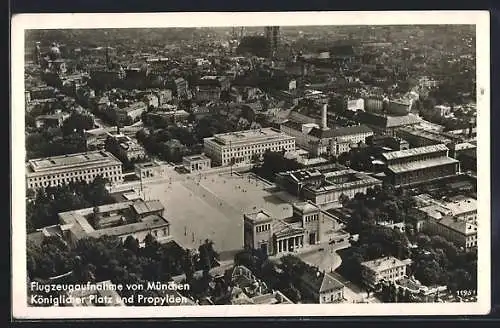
(305, 207)
(462, 205)
(458, 225)
(255, 135)
(415, 151)
(382, 264)
(50, 164)
(140, 206)
(200, 157)
(435, 211)
(318, 171)
(272, 298)
(146, 165)
(340, 131)
(421, 165)
(259, 217)
(320, 282)
(426, 134)
(387, 121)
(148, 223)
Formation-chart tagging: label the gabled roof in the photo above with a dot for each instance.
(281, 228)
(329, 283)
(320, 282)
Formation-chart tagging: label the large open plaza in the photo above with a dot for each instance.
(212, 206)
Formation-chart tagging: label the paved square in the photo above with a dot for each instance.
(212, 206)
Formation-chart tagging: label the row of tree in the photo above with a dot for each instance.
(164, 144)
(48, 202)
(107, 258)
(273, 163)
(284, 275)
(55, 141)
(439, 262)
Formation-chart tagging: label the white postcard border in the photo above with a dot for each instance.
(23, 22)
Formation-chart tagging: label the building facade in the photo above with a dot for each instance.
(460, 232)
(393, 143)
(134, 111)
(421, 138)
(321, 288)
(319, 139)
(308, 225)
(124, 147)
(387, 124)
(196, 163)
(59, 170)
(147, 170)
(137, 218)
(242, 146)
(415, 165)
(388, 269)
(326, 184)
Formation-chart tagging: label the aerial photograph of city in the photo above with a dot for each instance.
(251, 165)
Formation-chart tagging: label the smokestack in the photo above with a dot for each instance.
(324, 125)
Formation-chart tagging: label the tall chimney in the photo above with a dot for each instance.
(324, 125)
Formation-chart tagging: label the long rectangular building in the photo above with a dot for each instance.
(415, 165)
(59, 170)
(325, 185)
(241, 146)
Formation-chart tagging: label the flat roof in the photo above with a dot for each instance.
(260, 216)
(140, 206)
(254, 135)
(414, 151)
(460, 206)
(147, 223)
(426, 134)
(196, 158)
(146, 165)
(50, 164)
(458, 225)
(421, 165)
(382, 264)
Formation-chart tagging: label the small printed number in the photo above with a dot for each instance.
(466, 292)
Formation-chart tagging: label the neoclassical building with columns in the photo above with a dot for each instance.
(308, 225)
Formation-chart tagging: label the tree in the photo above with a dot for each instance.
(78, 123)
(275, 162)
(188, 265)
(49, 202)
(208, 255)
(131, 244)
(423, 241)
(246, 258)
